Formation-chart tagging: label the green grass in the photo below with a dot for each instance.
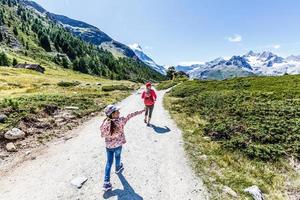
(68, 84)
(25, 92)
(109, 88)
(169, 83)
(247, 128)
(45, 41)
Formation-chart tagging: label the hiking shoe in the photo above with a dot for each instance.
(120, 169)
(107, 186)
(145, 120)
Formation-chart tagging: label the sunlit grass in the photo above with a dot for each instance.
(26, 92)
(193, 103)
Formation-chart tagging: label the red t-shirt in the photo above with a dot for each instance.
(149, 97)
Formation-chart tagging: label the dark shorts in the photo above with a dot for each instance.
(149, 110)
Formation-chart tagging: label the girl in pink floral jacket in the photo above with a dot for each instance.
(112, 129)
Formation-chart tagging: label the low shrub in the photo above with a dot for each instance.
(109, 88)
(68, 84)
(170, 83)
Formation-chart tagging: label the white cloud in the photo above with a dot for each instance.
(188, 63)
(276, 46)
(235, 38)
(148, 47)
(269, 47)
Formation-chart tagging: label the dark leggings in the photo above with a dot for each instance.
(149, 110)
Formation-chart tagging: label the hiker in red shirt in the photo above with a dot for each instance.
(149, 97)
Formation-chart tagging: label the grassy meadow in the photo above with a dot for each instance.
(242, 132)
(26, 92)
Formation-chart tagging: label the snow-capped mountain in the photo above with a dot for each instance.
(185, 68)
(220, 69)
(293, 58)
(269, 64)
(265, 63)
(146, 59)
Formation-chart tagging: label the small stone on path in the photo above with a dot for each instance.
(68, 137)
(79, 181)
(3, 155)
(10, 147)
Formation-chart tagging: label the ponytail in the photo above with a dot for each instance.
(112, 125)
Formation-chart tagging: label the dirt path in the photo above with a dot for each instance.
(155, 164)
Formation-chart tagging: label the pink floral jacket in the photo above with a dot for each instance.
(118, 137)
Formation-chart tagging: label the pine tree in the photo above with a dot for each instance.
(15, 30)
(9, 3)
(15, 62)
(65, 62)
(170, 73)
(1, 18)
(80, 65)
(4, 59)
(1, 37)
(45, 43)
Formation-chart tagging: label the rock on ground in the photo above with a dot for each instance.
(2, 118)
(255, 192)
(14, 134)
(71, 108)
(3, 155)
(79, 181)
(230, 191)
(10, 147)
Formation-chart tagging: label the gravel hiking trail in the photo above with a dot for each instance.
(156, 166)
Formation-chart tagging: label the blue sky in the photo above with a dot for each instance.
(181, 31)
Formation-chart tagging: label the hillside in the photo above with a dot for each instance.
(75, 85)
(242, 132)
(85, 31)
(32, 34)
(38, 103)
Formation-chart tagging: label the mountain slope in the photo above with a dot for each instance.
(27, 32)
(146, 59)
(86, 32)
(184, 68)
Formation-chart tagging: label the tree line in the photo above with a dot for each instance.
(40, 35)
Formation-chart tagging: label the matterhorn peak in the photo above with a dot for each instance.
(137, 49)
